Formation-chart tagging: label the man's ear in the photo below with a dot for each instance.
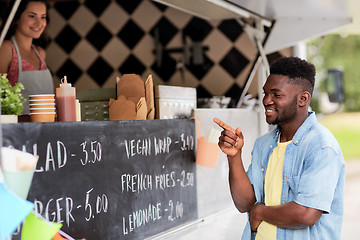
(304, 98)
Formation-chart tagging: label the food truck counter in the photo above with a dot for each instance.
(130, 179)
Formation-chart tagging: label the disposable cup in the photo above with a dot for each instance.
(42, 117)
(42, 105)
(42, 110)
(34, 101)
(41, 96)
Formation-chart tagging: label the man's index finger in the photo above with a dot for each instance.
(223, 125)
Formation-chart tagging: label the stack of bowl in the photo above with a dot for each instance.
(42, 107)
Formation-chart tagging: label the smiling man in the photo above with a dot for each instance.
(294, 187)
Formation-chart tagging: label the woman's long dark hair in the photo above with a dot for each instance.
(43, 40)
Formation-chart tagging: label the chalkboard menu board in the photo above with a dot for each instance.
(111, 180)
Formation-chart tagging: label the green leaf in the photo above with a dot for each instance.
(12, 101)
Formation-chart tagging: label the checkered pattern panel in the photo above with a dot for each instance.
(92, 42)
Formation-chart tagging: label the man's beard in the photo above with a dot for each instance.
(289, 114)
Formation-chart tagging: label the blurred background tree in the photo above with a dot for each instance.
(338, 51)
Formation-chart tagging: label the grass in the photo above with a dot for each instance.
(346, 129)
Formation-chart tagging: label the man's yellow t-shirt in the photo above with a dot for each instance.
(272, 189)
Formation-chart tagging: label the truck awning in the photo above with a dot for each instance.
(293, 20)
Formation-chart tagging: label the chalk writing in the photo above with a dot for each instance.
(141, 217)
(138, 147)
(50, 160)
(162, 145)
(187, 142)
(136, 182)
(95, 149)
(176, 210)
(165, 180)
(132, 181)
(187, 179)
(101, 205)
(56, 215)
(61, 209)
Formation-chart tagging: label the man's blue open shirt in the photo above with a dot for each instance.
(313, 176)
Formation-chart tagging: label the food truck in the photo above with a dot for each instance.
(142, 179)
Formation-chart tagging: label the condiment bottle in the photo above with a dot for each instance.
(66, 101)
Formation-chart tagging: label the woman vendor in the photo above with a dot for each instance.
(21, 56)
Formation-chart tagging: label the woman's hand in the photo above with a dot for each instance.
(230, 141)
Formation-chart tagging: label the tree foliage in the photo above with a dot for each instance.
(344, 52)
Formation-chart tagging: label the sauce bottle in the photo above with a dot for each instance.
(66, 101)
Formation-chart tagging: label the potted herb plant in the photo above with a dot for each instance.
(12, 101)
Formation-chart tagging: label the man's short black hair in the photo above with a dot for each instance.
(299, 71)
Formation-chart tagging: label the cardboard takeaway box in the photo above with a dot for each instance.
(135, 98)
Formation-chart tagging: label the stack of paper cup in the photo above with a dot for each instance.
(42, 107)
